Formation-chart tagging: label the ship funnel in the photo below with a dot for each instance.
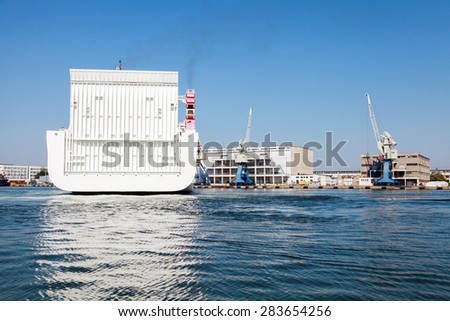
(190, 109)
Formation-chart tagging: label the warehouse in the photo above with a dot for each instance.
(266, 165)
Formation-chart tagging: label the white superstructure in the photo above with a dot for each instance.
(123, 135)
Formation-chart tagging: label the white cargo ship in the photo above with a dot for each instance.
(124, 135)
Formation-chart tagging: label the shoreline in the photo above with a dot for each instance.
(407, 188)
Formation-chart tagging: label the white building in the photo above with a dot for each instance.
(266, 165)
(445, 172)
(340, 177)
(19, 173)
(366, 181)
(311, 179)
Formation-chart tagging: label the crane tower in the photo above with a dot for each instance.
(386, 145)
(242, 176)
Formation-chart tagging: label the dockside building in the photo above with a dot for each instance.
(266, 165)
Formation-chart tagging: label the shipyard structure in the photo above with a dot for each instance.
(266, 165)
(291, 166)
(410, 169)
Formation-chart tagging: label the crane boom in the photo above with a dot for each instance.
(249, 126)
(242, 173)
(385, 142)
(373, 120)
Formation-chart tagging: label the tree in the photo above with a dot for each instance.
(437, 176)
(42, 172)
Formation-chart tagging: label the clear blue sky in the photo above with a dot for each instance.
(303, 65)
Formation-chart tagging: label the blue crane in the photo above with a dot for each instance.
(201, 175)
(388, 158)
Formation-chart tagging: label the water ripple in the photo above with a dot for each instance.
(225, 245)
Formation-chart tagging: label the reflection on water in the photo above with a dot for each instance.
(225, 245)
(119, 247)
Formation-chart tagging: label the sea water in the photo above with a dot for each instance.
(225, 244)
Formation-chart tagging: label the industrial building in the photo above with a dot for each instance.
(19, 173)
(411, 169)
(266, 165)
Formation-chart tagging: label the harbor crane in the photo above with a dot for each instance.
(242, 176)
(201, 175)
(388, 157)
